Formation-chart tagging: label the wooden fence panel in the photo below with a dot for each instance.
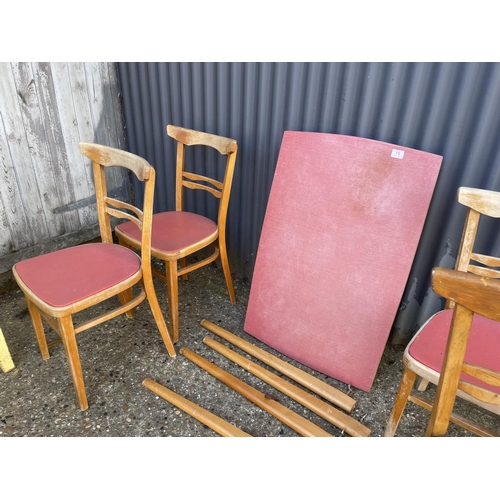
(46, 185)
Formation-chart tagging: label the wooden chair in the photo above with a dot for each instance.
(178, 234)
(451, 346)
(62, 283)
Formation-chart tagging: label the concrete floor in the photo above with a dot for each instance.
(37, 397)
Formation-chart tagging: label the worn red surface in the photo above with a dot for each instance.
(66, 276)
(341, 229)
(483, 348)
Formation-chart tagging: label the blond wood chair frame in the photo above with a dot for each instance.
(175, 262)
(467, 276)
(61, 318)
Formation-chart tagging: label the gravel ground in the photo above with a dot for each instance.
(37, 399)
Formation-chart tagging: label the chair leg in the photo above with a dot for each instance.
(124, 297)
(422, 385)
(158, 316)
(404, 391)
(451, 369)
(68, 337)
(225, 267)
(442, 407)
(173, 297)
(36, 319)
(439, 421)
(183, 261)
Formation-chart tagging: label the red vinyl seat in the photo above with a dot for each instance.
(67, 276)
(483, 348)
(172, 232)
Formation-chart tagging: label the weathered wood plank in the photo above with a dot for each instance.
(47, 109)
(109, 72)
(15, 228)
(79, 165)
(31, 206)
(102, 114)
(5, 233)
(36, 140)
(84, 103)
(63, 178)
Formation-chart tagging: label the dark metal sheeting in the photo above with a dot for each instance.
(450, 109)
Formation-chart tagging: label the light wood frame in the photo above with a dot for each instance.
(481, 282)
(61, 318)
(176, 262)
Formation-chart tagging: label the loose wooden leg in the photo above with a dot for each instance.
(173, 298)
(225, 267)
(219, 425)
(303, 378)
(67, 332)
(36, 319)
(404, 391)
(297, 422)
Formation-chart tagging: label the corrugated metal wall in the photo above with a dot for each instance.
(451, 109)
(46, 184)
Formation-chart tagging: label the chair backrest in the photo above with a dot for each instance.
(471, 295)
(103, 157)
(184, 179)
(478, 202)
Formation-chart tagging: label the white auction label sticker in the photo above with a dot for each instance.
(397, 153)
